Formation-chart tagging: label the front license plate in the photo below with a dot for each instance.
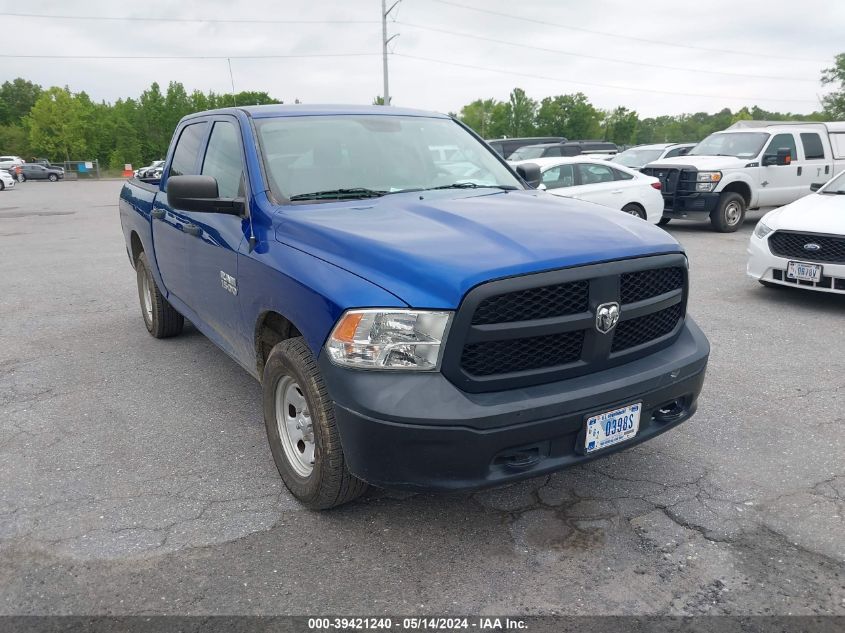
(804, 272)
(611, 427)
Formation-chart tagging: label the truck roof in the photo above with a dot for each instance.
(279, 110)
(833, 126)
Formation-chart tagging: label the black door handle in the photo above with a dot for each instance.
(158, 214)
(192, 229)
(799, 170)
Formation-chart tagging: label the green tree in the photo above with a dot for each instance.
(247, 97)
(480, 116)
(571, 116)
(58, 123)
(521, 110)
(16, 99)
(14, 139)
(620, 125)
(834, 103)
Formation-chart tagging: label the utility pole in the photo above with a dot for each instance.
(384, 42)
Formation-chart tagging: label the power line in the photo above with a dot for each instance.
(182, 20)
(149, 57)
(625, 37)
(599, 58)
(598, 85)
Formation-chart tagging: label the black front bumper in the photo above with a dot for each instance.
(690, 206)
(418, 431)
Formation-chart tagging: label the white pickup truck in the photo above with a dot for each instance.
(751, 165)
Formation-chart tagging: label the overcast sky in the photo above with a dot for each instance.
(587, 45)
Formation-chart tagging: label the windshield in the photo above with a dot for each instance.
(365, 155)
(837, 185)
(739, 144)
(529, 151)
(637, 157)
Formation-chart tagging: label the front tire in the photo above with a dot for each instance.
(160, 318)
(52, 178)
(301, 428)
(729, 214)
(21, 178)
(664, 221)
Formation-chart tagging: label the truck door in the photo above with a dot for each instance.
(815, 163)
(212, 248)
(169, 225)
(779, 184)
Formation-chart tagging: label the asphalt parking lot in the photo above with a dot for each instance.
(135, 476)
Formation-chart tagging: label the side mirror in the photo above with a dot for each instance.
(199, 193)
(530, 173)
(784, 156)
(816, 186)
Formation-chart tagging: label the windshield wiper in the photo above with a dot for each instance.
(473, 185)
(840, 192)
(339, 194)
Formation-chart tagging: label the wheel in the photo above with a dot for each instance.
(2, 186)
(728, 216)
(52, 177)
(301, 429)
(634, 209)
(160, 317)
(21, 178)
(664, 221)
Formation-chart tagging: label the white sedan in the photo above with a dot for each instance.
(6, 180)
(595, 180)
(803, 244)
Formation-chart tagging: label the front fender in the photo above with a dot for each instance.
(309, 292)
(730, 178)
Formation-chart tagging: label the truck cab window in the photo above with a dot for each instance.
(782, 140)
(813, 148)
(184, 161)
(223, 159)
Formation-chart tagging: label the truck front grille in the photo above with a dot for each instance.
(673, 179)
(539, 328)
(533, 303)
(830, 249)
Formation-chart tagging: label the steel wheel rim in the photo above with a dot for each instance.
(147, 297)
(296, 430)
(732, 213)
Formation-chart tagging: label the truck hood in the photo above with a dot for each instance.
(430, 249)
(703, 163)
(816, 213)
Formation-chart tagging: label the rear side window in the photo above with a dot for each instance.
(813, 148)
(782, 140)
(187, 150)
(592, 174)
(621, 175)
(223, 159)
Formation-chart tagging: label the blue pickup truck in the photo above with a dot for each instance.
(419, 316)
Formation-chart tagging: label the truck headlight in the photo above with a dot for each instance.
(707, 180)
(389, 339)
(762, 230)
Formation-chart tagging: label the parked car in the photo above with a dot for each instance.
(31, 171)
(640, 156)
(146, 172)
(46, 163)
(594, 180)
(751, 165)
(504, 147)
(410, 329)
(569, 148)
(7, 181)
(802, 244)
(10, 162)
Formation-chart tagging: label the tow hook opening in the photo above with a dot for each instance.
(671, 411)
(521, 457)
